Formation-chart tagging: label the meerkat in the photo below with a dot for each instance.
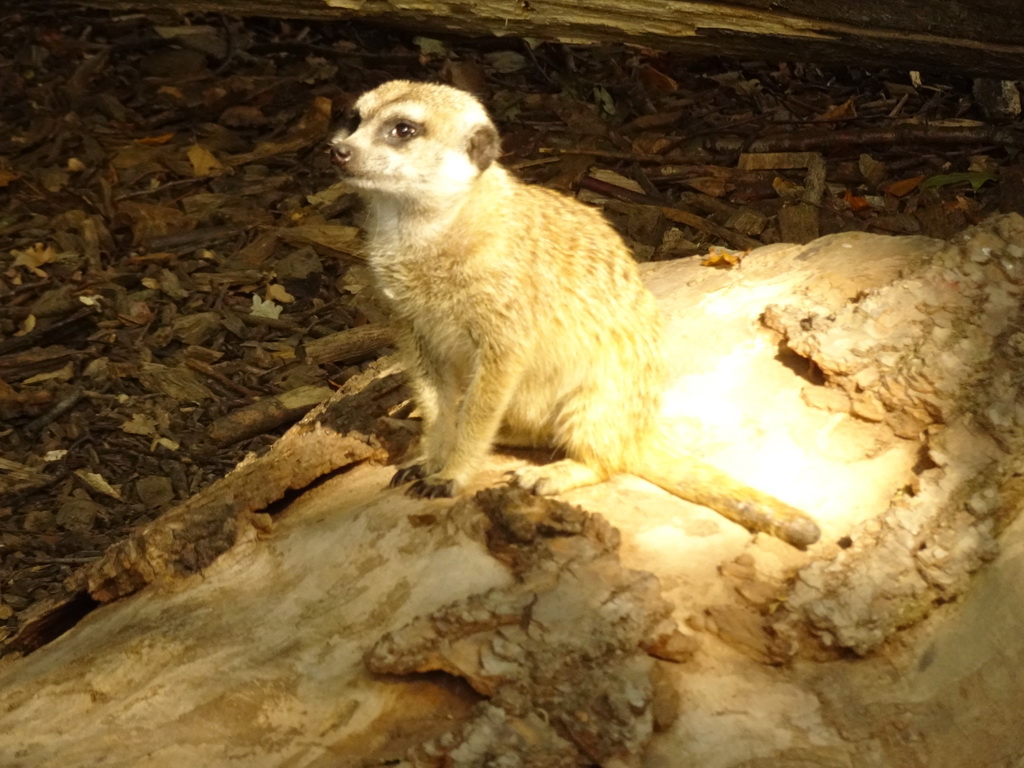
(520, 312)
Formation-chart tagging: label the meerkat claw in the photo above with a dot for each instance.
(435, 488)
(405, 474)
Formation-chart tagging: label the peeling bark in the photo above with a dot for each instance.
(560, 654)
(937, 356)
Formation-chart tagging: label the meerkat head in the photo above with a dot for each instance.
(415, 140)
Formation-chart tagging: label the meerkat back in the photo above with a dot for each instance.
(596, 329)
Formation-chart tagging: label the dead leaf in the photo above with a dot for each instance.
(430, 47)
(155, 490)
(786, 189)
(738, 82)
(506, 62)
(243, 116)
(330, 194)
(6, 177)
(722, 258)
(278, 292)
(155, 141)
(139, 424)
(261, 308)
(28, 324)
(840, 111)
(855, 202)
(657, 81)
(959, 204)
(139, 313)
(64, 373)
(195, 328)
(204, 163)
(604, 99)
(871, 169)
(983, 164)
(35, 257)
(165, 442)
(96, 482)
(172, 91)
(170, 284)
(150, 220)
(903, 186)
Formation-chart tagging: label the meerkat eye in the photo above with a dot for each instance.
(404, 130)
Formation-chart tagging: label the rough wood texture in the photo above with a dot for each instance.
(967, 35)
(347, 346)
(569, 680)
(936, 352)
(872, 381)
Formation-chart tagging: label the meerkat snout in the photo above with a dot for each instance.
(340, 154)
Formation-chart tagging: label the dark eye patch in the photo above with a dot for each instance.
(401, 130)
(350, 120)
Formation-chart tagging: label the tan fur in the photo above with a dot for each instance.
(518, 309)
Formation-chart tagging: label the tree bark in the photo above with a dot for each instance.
(872, 381)
(952, 35)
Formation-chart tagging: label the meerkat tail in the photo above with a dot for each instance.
(695, 481)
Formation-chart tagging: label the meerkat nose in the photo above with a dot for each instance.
(340, 154)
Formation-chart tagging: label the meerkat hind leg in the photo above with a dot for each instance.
(557, 477)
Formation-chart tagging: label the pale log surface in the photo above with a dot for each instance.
(873, 381)
(949, 35)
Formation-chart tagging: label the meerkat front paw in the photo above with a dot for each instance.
(434, 487)
(405, 474)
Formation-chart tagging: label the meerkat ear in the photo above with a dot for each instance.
(484, 146)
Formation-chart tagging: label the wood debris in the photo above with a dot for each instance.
(562, 655)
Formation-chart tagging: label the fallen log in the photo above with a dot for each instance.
(968, 36)
(872, 381)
